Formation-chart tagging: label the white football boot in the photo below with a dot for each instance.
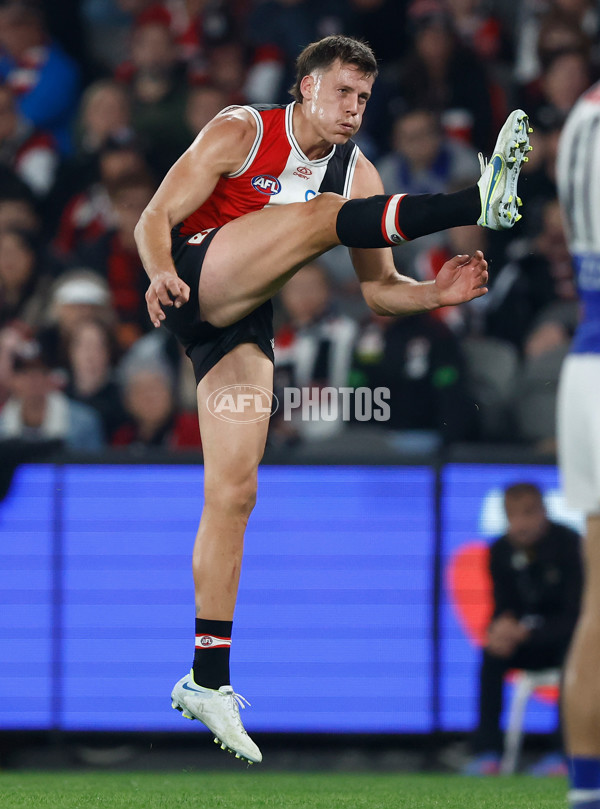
(498, 181)
(220, 712)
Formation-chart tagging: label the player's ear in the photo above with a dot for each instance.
(307, 86)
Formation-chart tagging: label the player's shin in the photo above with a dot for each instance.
(381, 221)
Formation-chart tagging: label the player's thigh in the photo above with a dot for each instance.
(233, 410)
(255, 254)
(578, 431)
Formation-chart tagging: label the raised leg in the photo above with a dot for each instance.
(252, 257)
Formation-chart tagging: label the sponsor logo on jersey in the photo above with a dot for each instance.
(303, 172)
(309, 194)
(266, 184)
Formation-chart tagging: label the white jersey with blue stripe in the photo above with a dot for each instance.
(578, 177)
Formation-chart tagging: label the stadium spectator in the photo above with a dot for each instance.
(423, 160)
(153, 420)
(526, 289)
(194, 24)
(479, 30)
(160, 346)
(104, 117)
(31, 154)
(115, 257)
(566, 75)
(23, 284)
(546, 26)
(536, 574)
(92, 353)
(44, 78)
(277, 31)
(17, 208)
(36, 411)
(204, 101)
(78, 295)
(157, 82)
(226, 69)
(420, 361)
(313, 346)
(440, 74)
(89, 214)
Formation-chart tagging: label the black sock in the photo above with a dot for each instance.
(381, 220)
(211, 658)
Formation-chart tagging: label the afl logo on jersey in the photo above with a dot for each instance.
(266, 184)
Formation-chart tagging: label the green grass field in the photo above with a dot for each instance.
(253, 790)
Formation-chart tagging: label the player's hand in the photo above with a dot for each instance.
(166, 289)
(461, 279)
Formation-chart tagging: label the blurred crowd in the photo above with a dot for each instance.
(98, 100)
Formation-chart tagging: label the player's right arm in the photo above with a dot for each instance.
(220, 148)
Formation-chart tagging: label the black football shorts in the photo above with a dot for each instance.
(205, 344)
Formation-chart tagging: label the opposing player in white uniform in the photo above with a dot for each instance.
(217, 243)
(578, 174)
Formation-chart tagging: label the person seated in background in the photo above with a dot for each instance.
(114, 256)
(313, 346)
(478, 29)
(44, 78)
(567, 73)
(524, 289)
(36, 412)
(77, 296)
(423, 159)
(24, 286)
(204, 101)
(439, 73)
(17, 206)
(420, 361)
(88, 214)
(104, 117)
(30, 153)
(153, 420)
(536, 574)
(92, 353)
(156, 80)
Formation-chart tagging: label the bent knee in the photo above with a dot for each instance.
(321, 214)
(326, 203)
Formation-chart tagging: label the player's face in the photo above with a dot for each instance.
(527, 520)
(335, 100)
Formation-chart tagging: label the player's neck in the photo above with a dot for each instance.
(312, 144)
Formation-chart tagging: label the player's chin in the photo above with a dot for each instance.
(342, 136)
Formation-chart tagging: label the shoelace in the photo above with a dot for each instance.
(482, 161)
(235, 703)
(240, 700)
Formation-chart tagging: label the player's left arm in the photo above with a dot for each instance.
(386, 292)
